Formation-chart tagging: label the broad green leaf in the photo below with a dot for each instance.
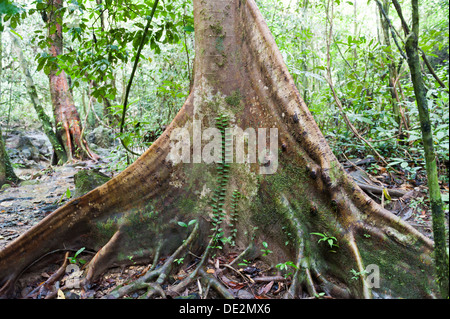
(188, 28)
(182, 224)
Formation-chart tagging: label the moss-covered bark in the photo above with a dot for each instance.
(411, 46)
(42, 116)
(7, 174)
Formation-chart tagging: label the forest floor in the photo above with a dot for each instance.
(45, 188)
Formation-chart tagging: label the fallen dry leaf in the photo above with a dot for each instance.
(266, 288)
(60, 295)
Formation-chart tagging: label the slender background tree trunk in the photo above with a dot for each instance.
(411, 46)
(7, 174)
(32, 92)
(67, 118)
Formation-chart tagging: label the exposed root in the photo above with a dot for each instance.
(242, 255)
(97, 264)
(160, 273)
(213, 282)
(310, 284)
(46, 286)
(367, 294)
(155, 289)
(296, 282)
(329, 287)
(187, 281)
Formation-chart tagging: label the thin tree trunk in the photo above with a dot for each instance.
(391, 63)
(68, 123)
(412, 51)
(32, 92)
(7, 174)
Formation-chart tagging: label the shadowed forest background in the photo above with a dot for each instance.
(367, 113)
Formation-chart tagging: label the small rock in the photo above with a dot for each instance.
(71, 295)
(244, 294)
(88, 179)
(30, 182)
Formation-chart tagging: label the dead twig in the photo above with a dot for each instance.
(239, 273)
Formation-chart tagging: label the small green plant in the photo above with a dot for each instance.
(415, 203)
(319, 295)
(244, 263)
(67, 194)
(218, 198)
(130, 258)
(179, 261)
(266, 251)
(183, 224)
(331, 240)
(227, 240)
(285, 267)
(75, 259)
(288, 234)
(357, 274)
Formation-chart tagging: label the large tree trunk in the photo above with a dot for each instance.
(240, 76)
(67, 119)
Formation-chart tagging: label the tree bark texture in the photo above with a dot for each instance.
(7, 174)
(438, 217)
(32, 92)
(239, 75)
(67, 118)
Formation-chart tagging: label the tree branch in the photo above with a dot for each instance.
(392, 29)
(130, 82)
(430, 68)
(400, 15)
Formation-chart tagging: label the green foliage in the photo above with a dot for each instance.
(9, 8)
(192, 222)
(360, 72)
(285, 267)
(357, 274)
(330, 240)
(266, 251)
(218, 197)
(75, 259)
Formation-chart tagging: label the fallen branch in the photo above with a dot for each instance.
(269, 278)
(394, 192)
